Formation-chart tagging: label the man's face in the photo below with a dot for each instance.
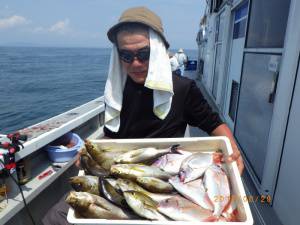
(136, 43)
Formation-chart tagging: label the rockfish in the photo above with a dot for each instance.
(111, 193)
(154, 184)
(143, 154)
(132, 171)
(93, 206)
(142, 205)
(128, 185)
(104, 158)
(91, 167)
(85, 184)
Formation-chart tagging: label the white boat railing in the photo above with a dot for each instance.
(46, 131)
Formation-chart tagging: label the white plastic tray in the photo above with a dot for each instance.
(189, 144)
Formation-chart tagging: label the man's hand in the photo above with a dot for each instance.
(236, 156)
(223, 130)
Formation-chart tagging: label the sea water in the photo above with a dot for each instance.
(37, 83)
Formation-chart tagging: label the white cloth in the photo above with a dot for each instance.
(113, 92)
(159, 78)
(181, 58)
(174, 63)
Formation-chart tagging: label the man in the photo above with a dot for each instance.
(174, 64)
(131, 99)
(143, 99)
(182, 60)
(134, 114)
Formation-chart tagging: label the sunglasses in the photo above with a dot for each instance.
(142, 55)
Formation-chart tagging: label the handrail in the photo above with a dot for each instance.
(47, 131)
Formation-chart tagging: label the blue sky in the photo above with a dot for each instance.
(84, 23)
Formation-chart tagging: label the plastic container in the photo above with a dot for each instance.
(205, 144)
(64, 148)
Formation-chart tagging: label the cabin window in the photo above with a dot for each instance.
(218, 4)
(254, 110)
(211, 5)
(240, 21)
(267, 24)
(233, 99)
(218, 51)
(220, 27)
(217, 70)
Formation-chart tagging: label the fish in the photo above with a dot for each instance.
(109, 148)
(217, 185)
(83, 150)
(111, 194)
(195, 165)
(113, 182)
(132, 171)
(143, 205)
(85, 184)
(230, 213)
(179, 208)
(93, 206)
(143, 154)
(91, 167)
(128, 185)
(104, 158)
(193, 191)
(98, 147)
(171, 162)
(154, 184)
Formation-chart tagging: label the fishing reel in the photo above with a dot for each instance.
(8, 149)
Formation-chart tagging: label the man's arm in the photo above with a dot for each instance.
(223, 130)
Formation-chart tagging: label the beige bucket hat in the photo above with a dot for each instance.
(140, 15)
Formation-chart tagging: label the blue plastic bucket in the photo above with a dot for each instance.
(57, 153)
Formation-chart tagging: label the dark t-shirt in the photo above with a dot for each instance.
(188, 107)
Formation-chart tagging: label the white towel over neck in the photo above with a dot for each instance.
(159, 78)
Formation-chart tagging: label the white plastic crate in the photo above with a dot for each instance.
(205, 144)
